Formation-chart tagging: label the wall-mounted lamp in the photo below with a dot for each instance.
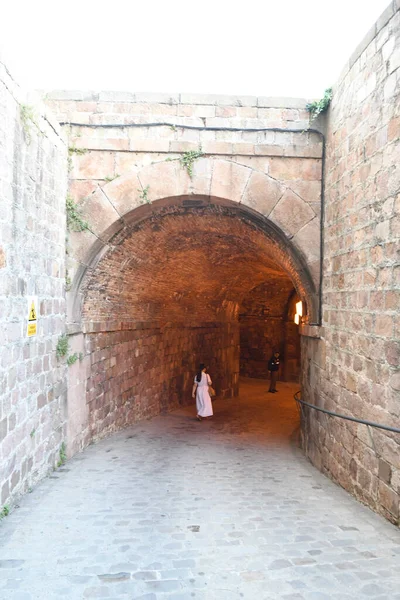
(299, 312)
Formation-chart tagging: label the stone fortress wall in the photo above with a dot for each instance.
(33, 384)
(354, 369)
(255, 197)
(122, 144)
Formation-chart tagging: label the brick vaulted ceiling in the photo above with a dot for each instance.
(190, 266)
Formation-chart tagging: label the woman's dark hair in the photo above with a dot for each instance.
(199, 372)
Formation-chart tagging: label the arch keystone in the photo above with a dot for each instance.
(165, 179)
(229, 180)
(200, 183)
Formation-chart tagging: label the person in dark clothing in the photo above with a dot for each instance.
(273, 367)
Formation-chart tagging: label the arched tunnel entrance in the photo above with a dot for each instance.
(171, 291)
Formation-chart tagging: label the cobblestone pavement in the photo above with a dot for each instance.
(223, 509)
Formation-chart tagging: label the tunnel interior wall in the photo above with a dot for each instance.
(266, 327)
(33, 181)
(139, 370)
(355, 367)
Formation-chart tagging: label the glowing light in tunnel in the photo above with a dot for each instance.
(299, 308)
(297, 318)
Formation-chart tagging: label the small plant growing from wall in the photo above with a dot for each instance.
(63, 455)
(144, 195)
(62, 346)
(5, 511)
(68, 281)
(29, 121)
(188, 159)
(75, 222)
(71, 360)
(319, 106)
(111, 178)
(77, 151)
(73, 150)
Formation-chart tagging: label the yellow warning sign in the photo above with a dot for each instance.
(32, 312)
(32, 316)
(32, 329)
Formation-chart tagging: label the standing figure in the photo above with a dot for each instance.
(202, 381)
(273, 367)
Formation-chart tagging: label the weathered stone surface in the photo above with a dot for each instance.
(3, 261)
(92, 165)
(266, 325)
(262, 193)
(100, 214)
(258, 537)
(308, 240)
(33, 187)
(167, 249)
(291, 213)
(124, 193)
(360, 288)
(164, 179)
(229, 180)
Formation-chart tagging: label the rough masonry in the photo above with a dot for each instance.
(199, 210)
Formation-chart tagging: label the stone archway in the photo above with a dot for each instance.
(158, 284)
(135, 196)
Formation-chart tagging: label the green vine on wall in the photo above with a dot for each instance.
(62, 346)
(63, 455)
(74, 217)
(188, 159)
(144, 195)
(319, 106)
(29, 121)
(62, 350)
(68, 281)
(110, 178)
(71, 360)
(71, 151)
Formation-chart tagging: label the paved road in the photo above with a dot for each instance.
(176, 509)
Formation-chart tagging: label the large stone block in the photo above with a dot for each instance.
(124, 193)
(295, 168)
(100, 214)
(164, 179)
(291, 213)
(229, 180)
(307, 240)
(92, 165)
(262, 193)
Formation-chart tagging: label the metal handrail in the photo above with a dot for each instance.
(333, 414)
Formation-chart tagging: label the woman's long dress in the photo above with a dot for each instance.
(203, 399)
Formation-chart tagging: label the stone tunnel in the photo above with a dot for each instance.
(158, 230)
(163, 286)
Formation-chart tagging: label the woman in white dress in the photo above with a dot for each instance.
(202, 381)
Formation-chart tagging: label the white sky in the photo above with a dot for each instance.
(254, 47)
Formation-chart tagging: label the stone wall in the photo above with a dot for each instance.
(33, 179)
(126, 150)
(265, 328)
(355, 368)
(134, 371)
(173, 248)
